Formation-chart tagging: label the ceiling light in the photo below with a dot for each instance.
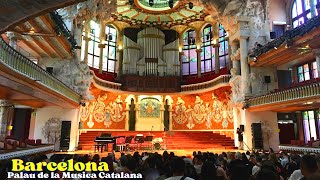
(171, 3)
(131, 2)
(151, 2)
(190, 5)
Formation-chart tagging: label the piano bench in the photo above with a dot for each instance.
(98, 146)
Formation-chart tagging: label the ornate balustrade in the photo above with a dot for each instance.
(150, 83)
(26, 152)
(296, 93)
(288, 36)
(11, 58)
(223, 79)
(299, 149)
(61, 29)
(104, 83)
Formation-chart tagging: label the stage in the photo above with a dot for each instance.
(187, 153)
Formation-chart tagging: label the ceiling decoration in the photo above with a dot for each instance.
(140, 12)
(37, 39)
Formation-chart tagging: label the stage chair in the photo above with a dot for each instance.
(38, 142)
(121, 143)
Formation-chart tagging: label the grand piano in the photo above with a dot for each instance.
(103, 140)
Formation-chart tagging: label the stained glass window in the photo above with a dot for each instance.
(93, 48)
(315, 73)
(189, 57)
(310, 123)
(208, 52)
(308, 71)
(223, 49)
(301, 11)
(306, 126)
(110, 50)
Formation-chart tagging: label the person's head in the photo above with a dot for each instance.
(208, 171)
(123, 161)
(178, 166)
(308, 165)
(238, 155)
(198, 160)
(253, 159)
(266, 174)
(239, 170)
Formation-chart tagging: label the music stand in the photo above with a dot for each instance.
(128, 141)
(148, 139)
(139, 139)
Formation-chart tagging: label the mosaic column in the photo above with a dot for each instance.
(235, 62)
(244, 65)
(86, 39)
(120, 59)
(6, 114)
(217, 60)
(199, 62)
(101, 47)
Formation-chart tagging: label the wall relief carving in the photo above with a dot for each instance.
(100, 112)
(203, 112)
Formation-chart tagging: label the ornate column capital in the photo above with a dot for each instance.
(13, 35)
(5, 103)
(216, 45)
(102, 46)
(198, 50)
(86, 38)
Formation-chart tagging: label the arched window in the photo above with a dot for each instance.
(189, 58)
(301, 11)
(93, 45)
(93, 48)
(110, 50)
(208, 52)
(223, 48)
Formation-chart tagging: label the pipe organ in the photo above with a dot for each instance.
(150, 56)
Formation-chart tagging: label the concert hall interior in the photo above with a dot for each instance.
(86, 76)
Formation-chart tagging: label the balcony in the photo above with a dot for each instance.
(15, 63)
(150, 83)
(222, 80)
(303, 94)
(295, 44)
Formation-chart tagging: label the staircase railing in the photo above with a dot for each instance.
(13, 59)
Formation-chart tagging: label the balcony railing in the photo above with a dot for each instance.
(104, 83)
(223, 79)
(288, 36)
(299, 149)
(11, 58)
(306, 91)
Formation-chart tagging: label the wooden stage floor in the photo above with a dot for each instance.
(187, 153)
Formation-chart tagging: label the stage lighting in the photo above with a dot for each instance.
(190, 5)
(171, 3)
(151, 2)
